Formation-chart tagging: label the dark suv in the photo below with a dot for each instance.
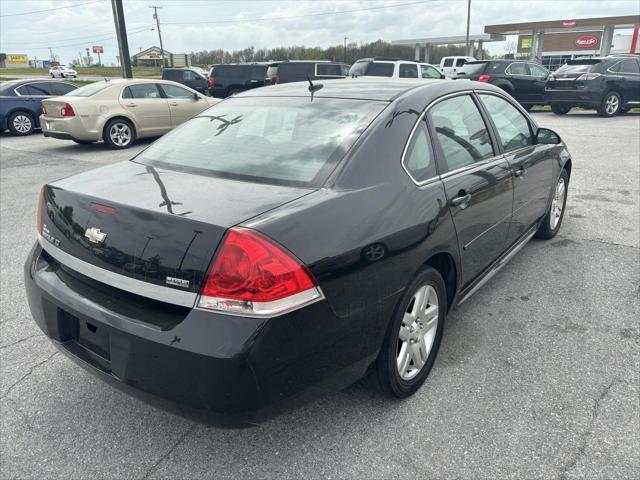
(299, 71)
(229, 79)
(188, 77)
(610, 84)
(524, 81)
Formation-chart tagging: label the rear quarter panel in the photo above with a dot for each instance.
(371, 205)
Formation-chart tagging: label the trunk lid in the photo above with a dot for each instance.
(54, 107)
(150, 224)
(566, 77)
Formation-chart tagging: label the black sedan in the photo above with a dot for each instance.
(292, 239)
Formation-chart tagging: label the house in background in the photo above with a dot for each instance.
(151, 57)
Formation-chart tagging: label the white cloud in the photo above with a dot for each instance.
(32, 34)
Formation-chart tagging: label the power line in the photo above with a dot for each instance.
(65, 39)
(146, 29)
(50, 9)
(317, 14)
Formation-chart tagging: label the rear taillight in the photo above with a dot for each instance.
(67, 111)
(212, 82)
(277, 79)
(589, 76)
(43, 109)
(253, 275)
(484, 78)
(40, 202)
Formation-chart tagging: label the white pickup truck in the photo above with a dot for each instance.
(449, 66)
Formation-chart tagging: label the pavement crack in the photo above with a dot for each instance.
(31, 370)
(169, 452)
(595, 412)
(21, 340)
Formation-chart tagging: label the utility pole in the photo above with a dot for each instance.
(121, 32)
(468, 20)
(51, 55)
(345, 49)
(157, 19)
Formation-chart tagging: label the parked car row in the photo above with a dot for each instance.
(609, 84)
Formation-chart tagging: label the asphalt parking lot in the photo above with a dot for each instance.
(537, 377)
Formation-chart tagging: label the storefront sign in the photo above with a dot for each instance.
(525, 42)
(569, 23)
(20, 59)
(586, 41)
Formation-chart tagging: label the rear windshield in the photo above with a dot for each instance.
(6, 88)
(473, 68)
(579, 66)
(278, 140)
(331, 69)
(233, 71)
(89, 90)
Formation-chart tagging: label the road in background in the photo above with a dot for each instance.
(537, 374)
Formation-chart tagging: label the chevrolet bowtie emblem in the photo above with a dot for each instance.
(95, 235)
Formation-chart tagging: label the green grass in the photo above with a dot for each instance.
(101, 71)
(76, 82)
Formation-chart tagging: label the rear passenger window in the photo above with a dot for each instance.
(408, 70)
(329, 69)
(59, 88)
(448, 62)
(258, 73)
(513, 128)
(419, 158)
(143, 90)
(380, 69)
(629, 66)
(518, 69)
(460, 62)
(429, 72)
(461, 132)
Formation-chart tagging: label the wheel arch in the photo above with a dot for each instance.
(445, 264)
(567, 166)
(119, 117)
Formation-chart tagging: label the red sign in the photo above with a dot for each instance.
(586, 41)
(98, 49)
(569, 23)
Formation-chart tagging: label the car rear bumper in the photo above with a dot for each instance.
(67, 128)
(218, 369)
(575, 97)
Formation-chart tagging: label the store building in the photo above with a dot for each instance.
(151, 57)
(553, 42)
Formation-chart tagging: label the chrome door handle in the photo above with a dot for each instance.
(520, 172)
(132, 104)
(461, 201)
(174, 104)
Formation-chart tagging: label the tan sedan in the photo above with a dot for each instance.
(119, 111)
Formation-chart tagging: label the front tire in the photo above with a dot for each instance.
(21, 123)
(610, 105)
(553, 219)
(119, 134)
(559, 109)
(413, 337)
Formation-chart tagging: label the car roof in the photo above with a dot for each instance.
(21, 81)
(370, 88)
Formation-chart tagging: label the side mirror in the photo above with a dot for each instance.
(196, 96)
(546, 136)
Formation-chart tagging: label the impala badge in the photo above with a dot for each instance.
(95, 235)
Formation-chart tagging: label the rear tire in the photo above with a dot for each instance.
(413, 337)
(21, 123)
(559, 109)
(552, 221)
(610, 105)
(119, 134)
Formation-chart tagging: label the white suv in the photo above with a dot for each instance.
(393, 68)
(62, 72)
(451, 66)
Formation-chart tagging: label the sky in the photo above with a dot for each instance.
(193, 25)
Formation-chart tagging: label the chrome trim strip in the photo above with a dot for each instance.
(122, 282)
(501, 263)
(268, 309)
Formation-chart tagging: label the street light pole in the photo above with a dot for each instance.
(121, 33)
(157, 19)
(345, 49)
(88, 58)
(468, 20)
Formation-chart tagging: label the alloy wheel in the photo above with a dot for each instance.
(612, 104)
(557, 205)
(120, 134)
(22, 123)
(417, 332)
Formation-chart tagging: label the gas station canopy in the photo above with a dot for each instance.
(474, 40)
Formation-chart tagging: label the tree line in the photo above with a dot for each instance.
(336, 53)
